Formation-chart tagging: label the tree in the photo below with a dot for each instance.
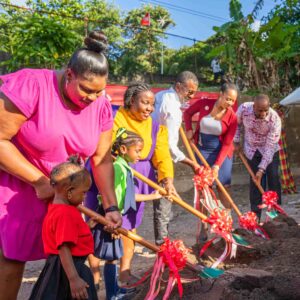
(261, 58)
(189, 58)
(142, 46)
(47, 33)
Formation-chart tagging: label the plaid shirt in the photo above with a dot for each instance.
(259, 134)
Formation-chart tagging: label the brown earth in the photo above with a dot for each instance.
(269, 270)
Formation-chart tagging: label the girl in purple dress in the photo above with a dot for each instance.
(45, 117)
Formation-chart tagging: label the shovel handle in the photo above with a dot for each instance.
(174, 198)
(245, 162)
(190, 146)
(218, 182)
(187, 145)
(133, 236)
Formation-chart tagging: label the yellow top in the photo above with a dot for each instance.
(161, 158)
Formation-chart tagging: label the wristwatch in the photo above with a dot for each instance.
(111, 209)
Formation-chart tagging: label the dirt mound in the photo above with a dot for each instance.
(269, 270)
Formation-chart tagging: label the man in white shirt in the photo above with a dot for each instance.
(168, 112)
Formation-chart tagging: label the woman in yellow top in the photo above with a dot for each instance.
(155, 163)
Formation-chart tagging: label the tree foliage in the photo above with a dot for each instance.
(142, 47)
(49, 32)
(263, 59)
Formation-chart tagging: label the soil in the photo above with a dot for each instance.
(269, 270)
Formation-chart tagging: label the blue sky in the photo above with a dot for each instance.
(192, 26)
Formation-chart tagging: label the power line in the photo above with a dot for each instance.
(186, 10)
(85, 19)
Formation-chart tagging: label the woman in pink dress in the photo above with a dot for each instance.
(46, 116)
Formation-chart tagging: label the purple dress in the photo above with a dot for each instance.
(133, 219)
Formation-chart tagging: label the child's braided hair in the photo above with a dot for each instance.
(125, 138)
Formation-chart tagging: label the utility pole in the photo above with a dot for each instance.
(162, 60)
(195, 56)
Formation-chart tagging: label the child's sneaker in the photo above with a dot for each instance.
(124, 294)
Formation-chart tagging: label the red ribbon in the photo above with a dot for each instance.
(249, 221)
(203, 180)
(269, 200)
(204, 177)
(221, 225)
(174, 256)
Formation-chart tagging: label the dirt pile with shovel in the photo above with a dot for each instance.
(270, 269)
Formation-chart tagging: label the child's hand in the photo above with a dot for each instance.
(78, 288)
(157, 195)
(115, 236)
(92, 223)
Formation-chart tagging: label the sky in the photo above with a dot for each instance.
(197, 25)
(191, 25)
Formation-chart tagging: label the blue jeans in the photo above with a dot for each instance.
(210, 148)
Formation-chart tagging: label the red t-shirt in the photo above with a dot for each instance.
(64, 224)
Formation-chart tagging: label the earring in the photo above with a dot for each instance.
(69, 195)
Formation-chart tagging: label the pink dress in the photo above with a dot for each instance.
(49, 136)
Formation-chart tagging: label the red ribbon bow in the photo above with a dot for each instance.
(204, 177)
(249, 221)
(221, 224)
(269, 200)
(203, 181)
(174, 256)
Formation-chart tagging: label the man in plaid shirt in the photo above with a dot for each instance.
(261, 128)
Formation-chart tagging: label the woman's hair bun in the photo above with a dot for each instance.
(96, 41)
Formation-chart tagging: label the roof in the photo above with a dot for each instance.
(292, 98)
(116, 93)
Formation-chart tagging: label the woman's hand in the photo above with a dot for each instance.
(78, 288)
(215, 171)
(115, 220)
(43, 189)
(189, 135)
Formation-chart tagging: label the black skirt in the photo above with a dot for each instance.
(53, 283)
(106, 247)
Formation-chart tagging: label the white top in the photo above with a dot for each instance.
(168, 113)
(209, 125)
(215, 66)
